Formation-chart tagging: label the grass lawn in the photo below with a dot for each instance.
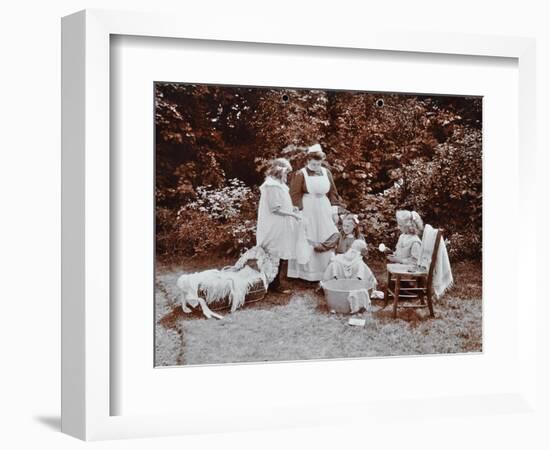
(299, 326)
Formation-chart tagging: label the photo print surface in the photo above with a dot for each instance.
(299, 224)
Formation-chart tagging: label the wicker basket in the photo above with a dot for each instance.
(256, 293)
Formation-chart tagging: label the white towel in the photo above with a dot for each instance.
(358, 299)
(218, 285)
(442, 278)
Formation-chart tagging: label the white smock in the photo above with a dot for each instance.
(317, 211)
(276, 233)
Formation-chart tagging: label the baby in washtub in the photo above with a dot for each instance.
(350, 265)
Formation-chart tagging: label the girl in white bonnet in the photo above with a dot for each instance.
(407, 250)
(277, 221)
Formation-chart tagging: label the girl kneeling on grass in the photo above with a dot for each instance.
(351, 251)
(341, 241)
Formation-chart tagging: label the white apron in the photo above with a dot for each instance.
(317, 210)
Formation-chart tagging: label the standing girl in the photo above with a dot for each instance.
(277, 222)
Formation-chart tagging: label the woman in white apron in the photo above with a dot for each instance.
(313, 192)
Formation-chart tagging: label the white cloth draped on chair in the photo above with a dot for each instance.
(442, 278)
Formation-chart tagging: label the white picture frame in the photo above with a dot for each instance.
(86, 284)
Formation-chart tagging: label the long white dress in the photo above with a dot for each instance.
(275, 233)
(317, 211)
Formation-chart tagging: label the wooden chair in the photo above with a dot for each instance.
(418, 277)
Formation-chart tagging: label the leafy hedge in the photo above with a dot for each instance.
(386, 151)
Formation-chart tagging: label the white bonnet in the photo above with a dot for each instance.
(409, 218)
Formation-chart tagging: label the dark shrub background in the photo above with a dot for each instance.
(386, 151)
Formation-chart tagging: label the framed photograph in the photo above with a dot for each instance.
(325, 210)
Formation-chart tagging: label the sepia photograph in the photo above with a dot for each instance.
(297, 224)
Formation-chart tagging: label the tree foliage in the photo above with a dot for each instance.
(386, 151)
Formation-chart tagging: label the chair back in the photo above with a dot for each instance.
(428, 256)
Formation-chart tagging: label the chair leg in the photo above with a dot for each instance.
(430, 304)
(385, 304)
(386, 290)
(396, 295)
(422, 293)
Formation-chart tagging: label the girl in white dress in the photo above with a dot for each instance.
(277, 221)
(407, 250)
(312, 190)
